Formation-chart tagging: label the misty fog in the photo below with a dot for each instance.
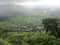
(12, 7)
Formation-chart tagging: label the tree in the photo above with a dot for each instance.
(52, 25)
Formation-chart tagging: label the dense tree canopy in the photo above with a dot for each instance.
(52, 25)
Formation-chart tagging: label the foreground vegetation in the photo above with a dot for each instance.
(28, 38)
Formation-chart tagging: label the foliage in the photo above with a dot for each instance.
(43, 39)
(2, 42)
(52, 25)
(29, 38)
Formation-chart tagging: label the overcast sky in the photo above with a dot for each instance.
(16, 0)
(32, 2)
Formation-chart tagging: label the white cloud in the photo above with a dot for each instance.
(30, 3)
(40, 2)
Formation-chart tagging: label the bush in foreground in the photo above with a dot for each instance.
(31, 39)
(2, 42)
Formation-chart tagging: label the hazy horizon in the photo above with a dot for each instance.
(30, 7)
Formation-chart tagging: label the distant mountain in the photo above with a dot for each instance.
(12, 10)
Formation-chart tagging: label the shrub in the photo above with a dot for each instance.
(2, 42)
(36, 39)
(44, 39)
